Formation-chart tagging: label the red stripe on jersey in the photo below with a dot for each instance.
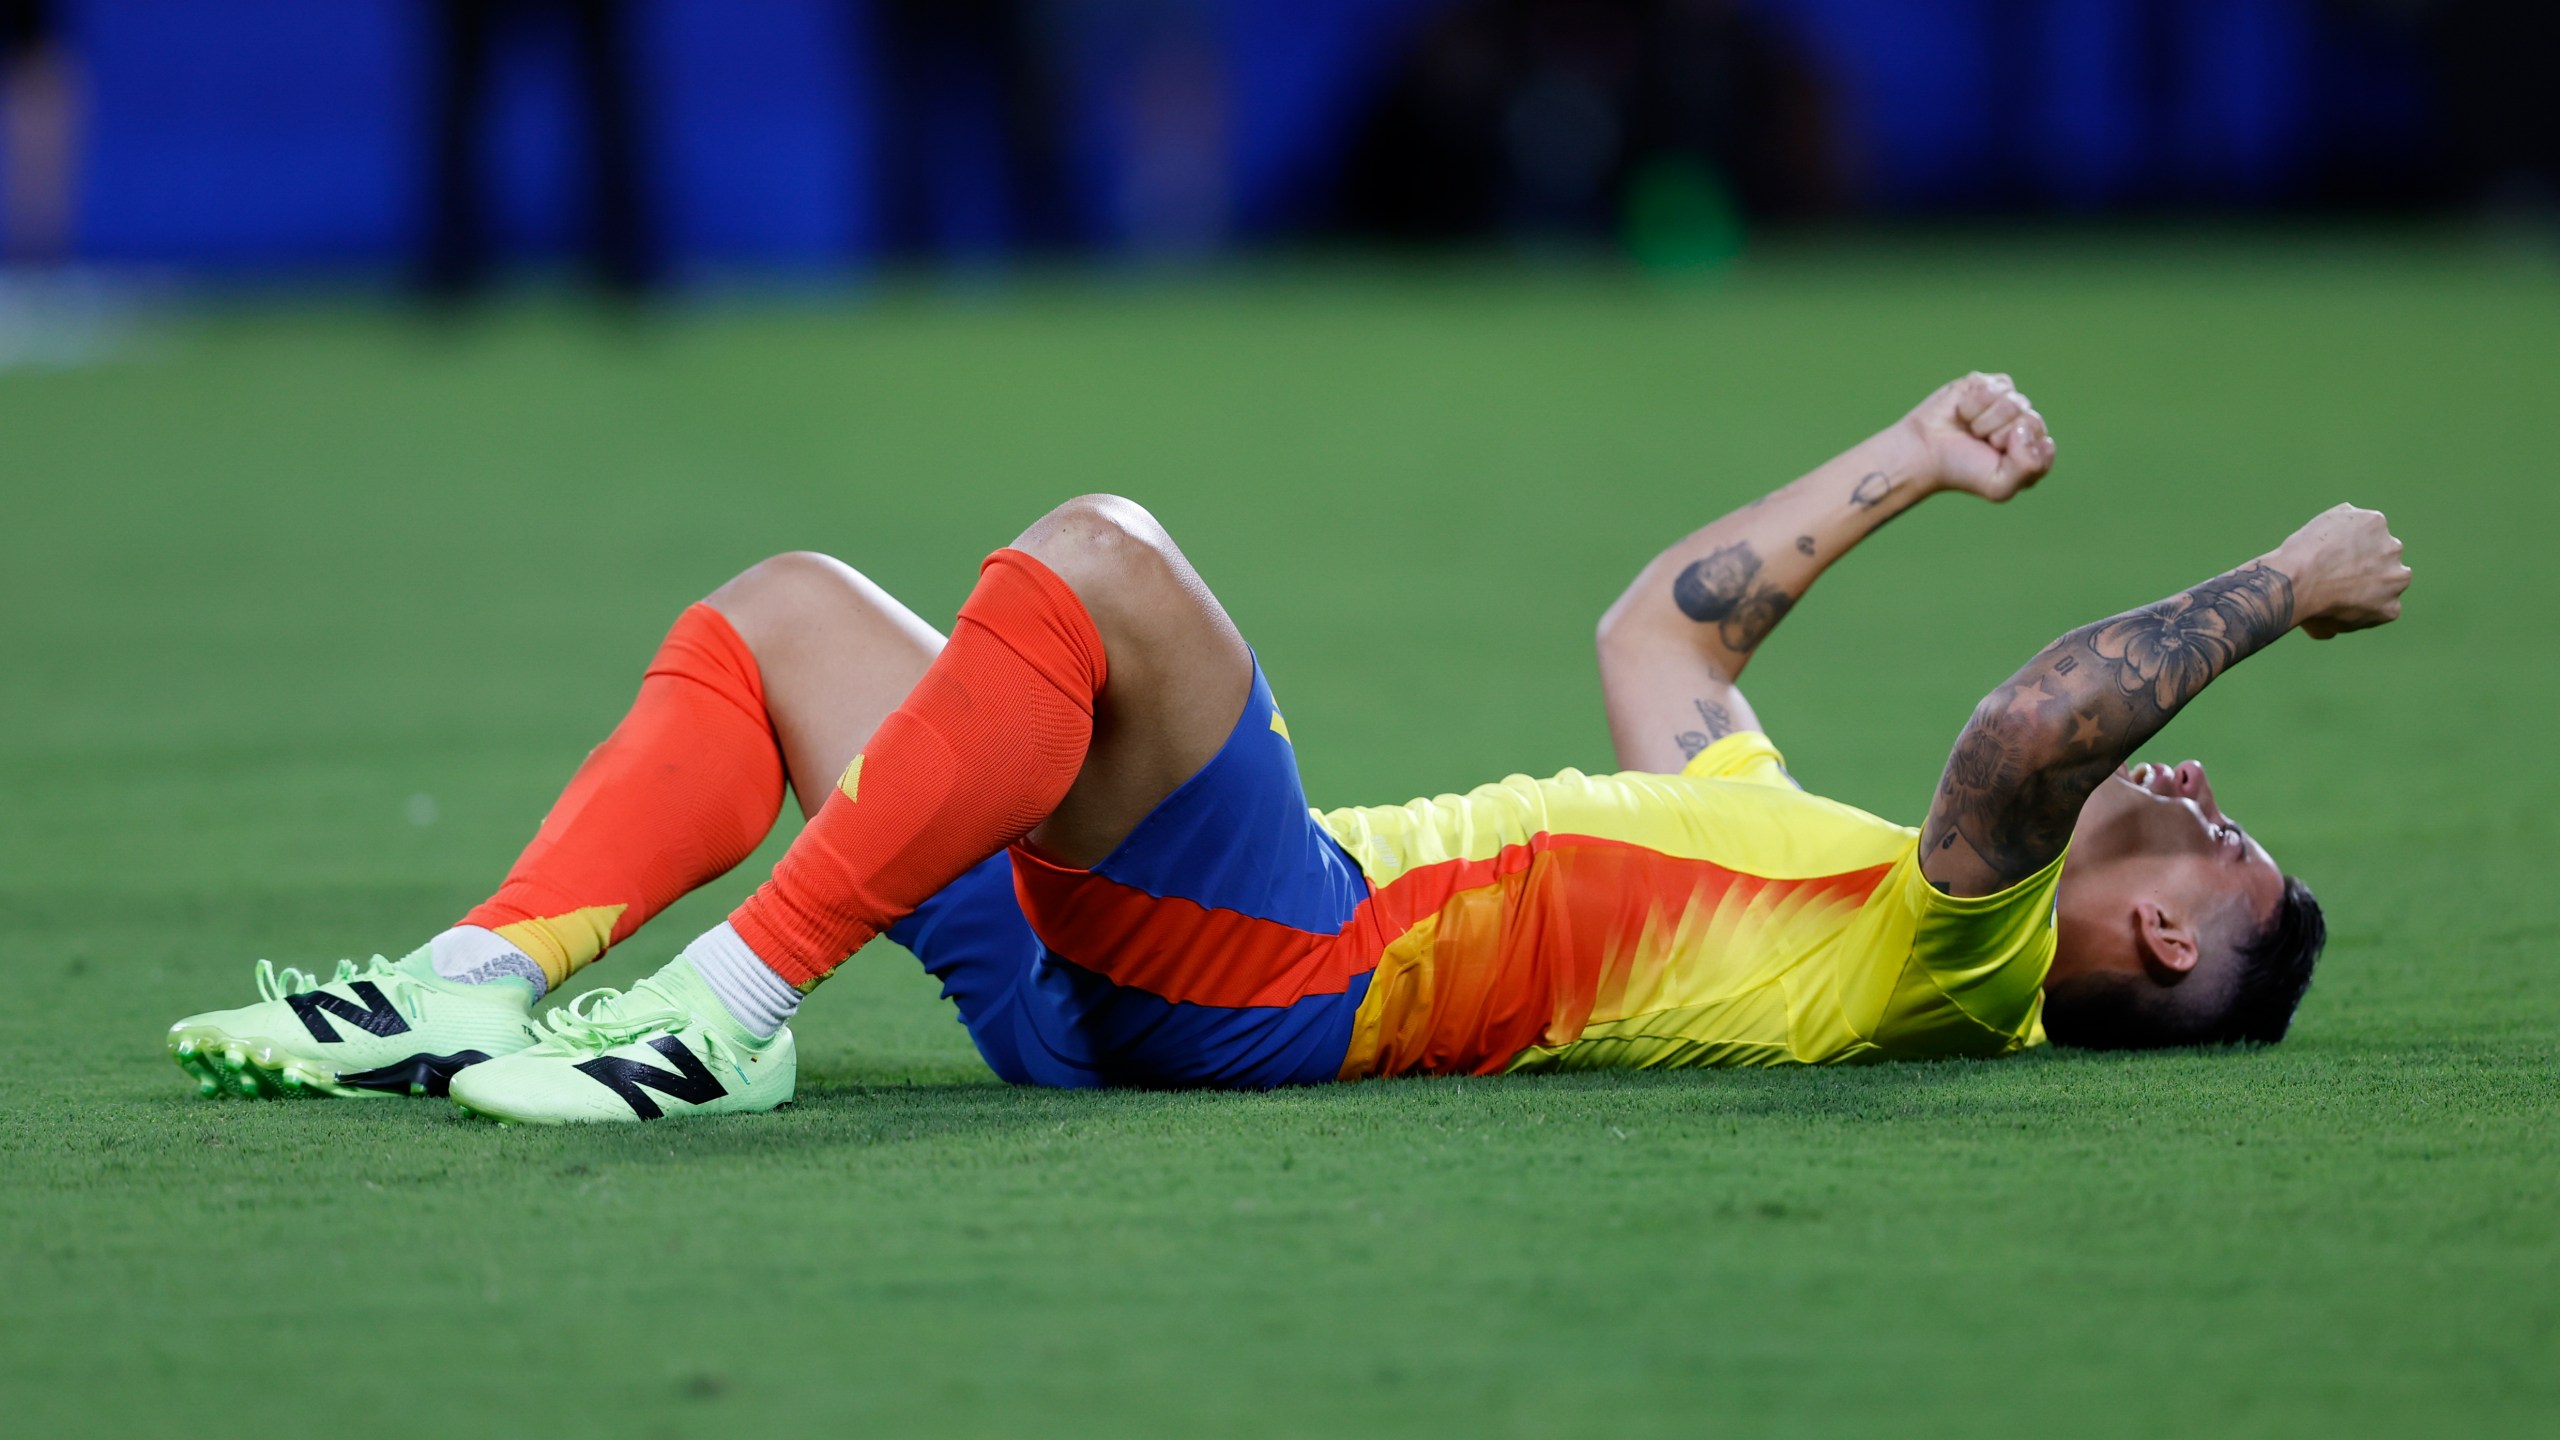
(1529, 942)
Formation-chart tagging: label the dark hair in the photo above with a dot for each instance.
(2113, 1011)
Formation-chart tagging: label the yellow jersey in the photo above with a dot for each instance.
(1720, 916)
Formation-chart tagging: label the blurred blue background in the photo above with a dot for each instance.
(817, 134)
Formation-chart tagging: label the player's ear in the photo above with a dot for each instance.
(2166, 942)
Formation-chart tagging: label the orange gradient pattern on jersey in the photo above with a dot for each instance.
(1480, 960)
(1470, 962)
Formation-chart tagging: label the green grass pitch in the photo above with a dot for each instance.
(309, 611)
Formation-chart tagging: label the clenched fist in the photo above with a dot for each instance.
(2346, 572)
(1983, 436)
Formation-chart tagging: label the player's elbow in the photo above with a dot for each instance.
(1635, 635)
(1611, 642)
(1625, 627)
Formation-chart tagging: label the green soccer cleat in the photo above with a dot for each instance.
(664, 1047)
(388, 1029)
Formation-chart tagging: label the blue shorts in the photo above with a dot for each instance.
(1201, 952)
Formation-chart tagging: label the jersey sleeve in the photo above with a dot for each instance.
(1743, 755)
(1974, 981)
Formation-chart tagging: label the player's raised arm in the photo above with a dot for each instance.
(2037, 746)
(1673, 645)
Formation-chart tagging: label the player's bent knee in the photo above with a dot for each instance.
(1105, 547)
(793, 580)
(803, 593)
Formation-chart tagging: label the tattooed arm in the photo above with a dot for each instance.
(1673, 645)
(2039, 745)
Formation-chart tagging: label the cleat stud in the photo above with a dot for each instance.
(208, 1089)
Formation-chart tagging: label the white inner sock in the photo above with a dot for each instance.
(471, 955)
(756, 997)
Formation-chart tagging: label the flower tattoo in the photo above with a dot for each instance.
(2174, 648)
(2171, 648)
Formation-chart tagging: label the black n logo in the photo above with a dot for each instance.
(375, 1016)
(691, 1083)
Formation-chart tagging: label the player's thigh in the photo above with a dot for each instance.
(837, 653)
(1179, 671)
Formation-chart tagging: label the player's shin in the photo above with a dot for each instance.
(681, 791)
(984, 748)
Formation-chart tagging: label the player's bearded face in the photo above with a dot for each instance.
(2166, 820)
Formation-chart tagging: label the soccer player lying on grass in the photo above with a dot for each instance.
(1083, 814)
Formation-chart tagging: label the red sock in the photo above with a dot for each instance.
(983, 749)
(681, 791)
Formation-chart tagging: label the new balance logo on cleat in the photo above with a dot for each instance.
(375, 1016)
(691, 1082)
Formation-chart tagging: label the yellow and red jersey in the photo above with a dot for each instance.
(1720, 916)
